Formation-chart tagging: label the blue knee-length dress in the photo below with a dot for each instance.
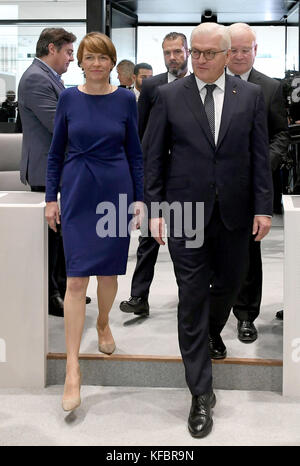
(96, 154)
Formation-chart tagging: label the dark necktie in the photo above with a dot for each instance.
(209, 107)
(237, 76)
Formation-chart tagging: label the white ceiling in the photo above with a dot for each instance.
(170, 11)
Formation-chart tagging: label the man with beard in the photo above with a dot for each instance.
(175, 50)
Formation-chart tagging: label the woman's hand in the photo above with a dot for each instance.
(138, 215)
(52, 215)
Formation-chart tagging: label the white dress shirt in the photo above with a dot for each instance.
(243, 76)
(172, 78)
(137, 93)
(218, 96)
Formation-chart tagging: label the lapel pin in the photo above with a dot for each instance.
(234, 91)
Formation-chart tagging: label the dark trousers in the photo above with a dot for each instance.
(56, 260)
(247, 305)
(144, 270)
(208, 279)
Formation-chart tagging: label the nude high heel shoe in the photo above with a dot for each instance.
(72, 403)
(106, 348)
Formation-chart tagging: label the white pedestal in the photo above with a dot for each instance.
(23, 289)
(291, 322)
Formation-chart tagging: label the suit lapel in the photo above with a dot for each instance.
(254, 77)
(230, 101)
(164, 79)
(193, 99)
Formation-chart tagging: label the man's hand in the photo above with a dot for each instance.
(157, 227)
(138, 215)
(261, 226)
(52, 215)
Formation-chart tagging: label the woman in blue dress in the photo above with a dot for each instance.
(101, 176)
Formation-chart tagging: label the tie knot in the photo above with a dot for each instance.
(237, 76)
(210, 88)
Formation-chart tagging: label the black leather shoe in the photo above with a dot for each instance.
(200, 420)
(87, 300)
(139, 306)
(217, 348)
(56, 306)
(279, 315)
(247, 332)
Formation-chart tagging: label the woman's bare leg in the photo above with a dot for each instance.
(106, 292)
(74, 312)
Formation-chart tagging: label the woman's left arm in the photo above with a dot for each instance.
(135, 159)
(134, 151)
(54, 166)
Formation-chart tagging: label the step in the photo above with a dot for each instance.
(167, 371)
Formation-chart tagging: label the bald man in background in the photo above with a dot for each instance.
(243, 53)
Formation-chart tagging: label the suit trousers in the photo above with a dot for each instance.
(208, 280)
(144, 270)
(57, 281)
(247, 305)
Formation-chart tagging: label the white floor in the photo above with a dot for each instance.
(144, 416)
(121, 416)
(157, 335)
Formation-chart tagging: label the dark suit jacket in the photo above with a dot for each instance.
(183, 163)
(38, 94)
(276, 113)
(147, 98)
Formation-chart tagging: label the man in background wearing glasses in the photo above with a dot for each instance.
(243, 53)
(206, 141)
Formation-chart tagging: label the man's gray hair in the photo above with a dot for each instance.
(213, 28)
(242, 28)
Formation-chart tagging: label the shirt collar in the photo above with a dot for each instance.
(58, 76)
(172, 78)
(136, 91)
(220, 83)
(243, 76)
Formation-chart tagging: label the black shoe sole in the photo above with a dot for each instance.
(247, 340)
(130, 310)
(126, 309)
(223, 356)
(203, 433)
(142, 314)
(56, 313)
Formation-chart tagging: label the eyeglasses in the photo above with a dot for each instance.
(208, 54)
(245, 51)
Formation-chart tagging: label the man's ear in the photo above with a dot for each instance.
(227, 58)
(51, 48)
(255, 49)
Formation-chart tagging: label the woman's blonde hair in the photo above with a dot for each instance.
(96, 42)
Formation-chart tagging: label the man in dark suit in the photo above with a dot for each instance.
(243, 52)
(213, 151)
(142, 71)
(38, 92)
(175, 50)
